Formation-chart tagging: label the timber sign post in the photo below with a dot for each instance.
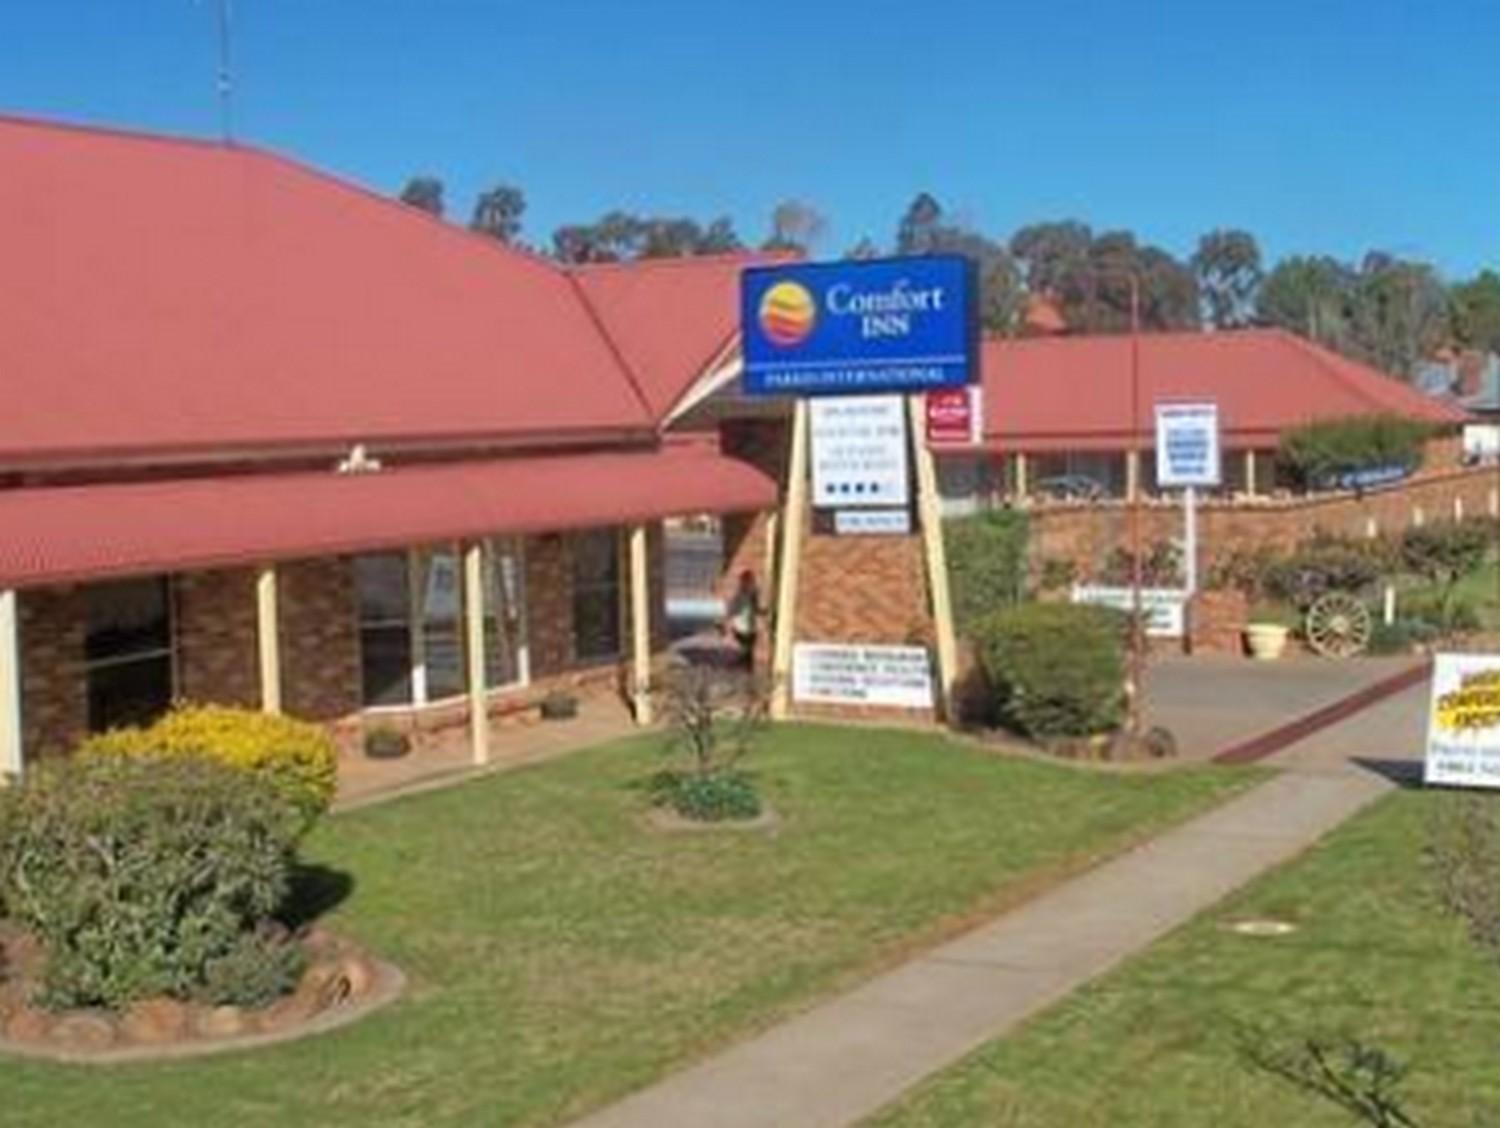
(857, 344)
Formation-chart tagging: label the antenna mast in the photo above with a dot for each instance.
(226, 76)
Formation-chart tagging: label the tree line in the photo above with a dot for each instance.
(1385, 310)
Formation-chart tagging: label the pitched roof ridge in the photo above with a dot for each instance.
(596, 319)
(1325, 360)
(295, 164)
(119, 132)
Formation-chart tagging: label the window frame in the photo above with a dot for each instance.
(90, 665)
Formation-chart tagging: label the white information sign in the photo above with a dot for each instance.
(1162, 607)
(831, 674)
(1187, 445)
(1463, 721)
(859, 451)
(872, 522)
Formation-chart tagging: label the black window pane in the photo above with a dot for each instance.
(385, 656)
(131, 692)
(381, 580)
(127, 617)
(596, 624)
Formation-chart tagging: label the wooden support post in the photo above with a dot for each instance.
(479, 719)
(12, 760)
(793, 517)
(1132, 475)
(268, 638)
(1021, 486)
(1250, 483)
(929, 511)
(640, 626)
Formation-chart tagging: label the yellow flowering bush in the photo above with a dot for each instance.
(296, 758)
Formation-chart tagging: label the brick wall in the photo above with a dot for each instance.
(319, 627)
(54, 700)
(1085, 534)
(216, 632)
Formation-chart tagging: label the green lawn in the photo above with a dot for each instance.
(562, 954)
(1154, 1045)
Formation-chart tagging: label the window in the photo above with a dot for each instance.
(412, 629)
(596, 595)
(384, 628)
(127, 652)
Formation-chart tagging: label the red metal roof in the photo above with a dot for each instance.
(63, 534)
(160, 295)
(1073, 393)
(670, 318)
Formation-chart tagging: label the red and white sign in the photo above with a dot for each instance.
(953, 415)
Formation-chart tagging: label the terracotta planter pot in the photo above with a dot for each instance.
(1267, 641)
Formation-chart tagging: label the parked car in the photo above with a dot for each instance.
(1070, 487)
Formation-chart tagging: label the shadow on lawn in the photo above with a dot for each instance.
(1403, 773)
(315, 891)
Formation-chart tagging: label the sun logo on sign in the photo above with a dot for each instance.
(787, 314)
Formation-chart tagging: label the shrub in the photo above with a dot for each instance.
(1056, 574)
(987, 563)
(296, 758)
(1161, 566)
(1243, 570)
(1058, 669)
(142, 876)
(1324, 565)
(717, 797)
(1318, 453)
(1399, 637)
(1439, 613)
(1443, 555)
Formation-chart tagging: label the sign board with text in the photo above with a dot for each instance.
(1463, 721)
(1187, 445)
(859, 452)
(858, 326)
(872, 522)
(898, 677)
(1163, 608)
(955, 415)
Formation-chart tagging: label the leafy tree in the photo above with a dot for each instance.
(795, 226)
(1228, 268)
(497, 213)
(1309, 295)
(424, 193)
(924, 230)
(1089, 277)
(619, 236)
(1476, 311)
(1398, 313)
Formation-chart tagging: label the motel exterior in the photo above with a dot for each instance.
(278, 442)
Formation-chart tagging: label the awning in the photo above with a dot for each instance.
(69, 533)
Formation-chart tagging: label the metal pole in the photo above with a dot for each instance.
(1137, 626)
(1190, 540)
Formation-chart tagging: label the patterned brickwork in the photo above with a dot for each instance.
(54, 702)
(319, 627)
(216, 632)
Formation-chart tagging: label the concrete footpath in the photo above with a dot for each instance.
(847, 1058)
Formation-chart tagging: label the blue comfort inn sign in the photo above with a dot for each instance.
(876, 325)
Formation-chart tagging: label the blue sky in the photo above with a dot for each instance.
(1321, 126)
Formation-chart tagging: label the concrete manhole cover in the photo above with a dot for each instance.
(1262, 927)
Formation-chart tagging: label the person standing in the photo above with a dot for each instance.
(743, 617)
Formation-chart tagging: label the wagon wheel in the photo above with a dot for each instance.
(1338, 625)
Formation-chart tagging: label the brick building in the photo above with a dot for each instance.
(277, 441)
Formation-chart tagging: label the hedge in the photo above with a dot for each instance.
(1056, 669)
(986, 564)
(297, 758)
(1317, 453)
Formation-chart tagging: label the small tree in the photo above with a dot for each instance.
(714, 715)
